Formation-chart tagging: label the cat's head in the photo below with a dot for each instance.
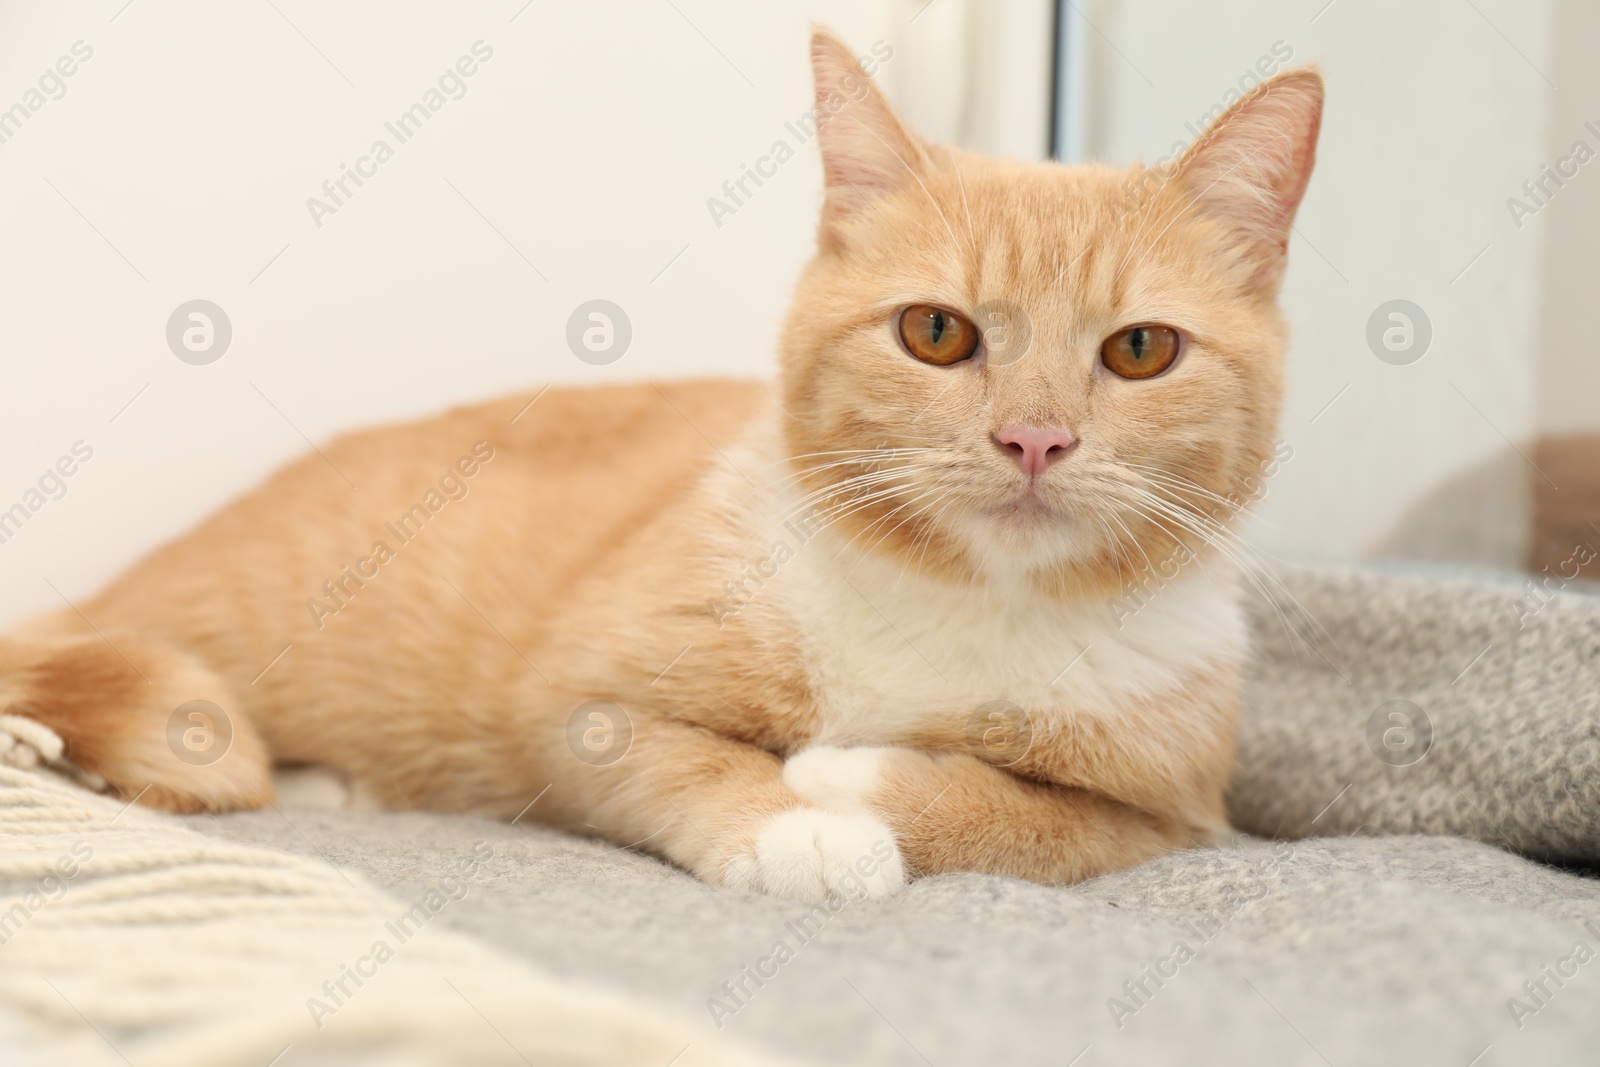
(1071, 372)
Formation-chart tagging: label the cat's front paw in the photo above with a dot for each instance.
(811, 855)
(837, 779)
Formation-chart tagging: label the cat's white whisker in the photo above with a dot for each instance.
(934, 492)
(955, 165)
(1226, 544)
(1244, 551)
(930, 528)
(886, 488)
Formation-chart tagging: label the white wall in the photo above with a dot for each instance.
(1433, 119)
(1569, 386)
(179, 162)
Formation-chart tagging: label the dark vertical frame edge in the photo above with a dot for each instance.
(1058, 73)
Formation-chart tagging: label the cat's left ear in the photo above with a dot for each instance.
(1250, 168)
(866, 150)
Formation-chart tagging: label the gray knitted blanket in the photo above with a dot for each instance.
(1418, 708)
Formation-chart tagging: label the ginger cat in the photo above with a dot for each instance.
(820, 638)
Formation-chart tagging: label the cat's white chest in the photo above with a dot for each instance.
(889, 652)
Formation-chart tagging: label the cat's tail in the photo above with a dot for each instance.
(154, 723)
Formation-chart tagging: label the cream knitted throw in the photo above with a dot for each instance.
(137, 940)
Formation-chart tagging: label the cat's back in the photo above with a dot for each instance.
(511, 500)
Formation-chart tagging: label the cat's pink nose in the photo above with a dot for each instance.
(1034, 448)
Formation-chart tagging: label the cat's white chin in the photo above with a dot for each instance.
(1025, 535)
(815, 856)
(1027, 507)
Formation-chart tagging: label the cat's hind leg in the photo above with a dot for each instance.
(155, 723)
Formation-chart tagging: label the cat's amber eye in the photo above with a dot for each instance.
(937, 335)
(1140, 351)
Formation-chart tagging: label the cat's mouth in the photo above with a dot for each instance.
(1027, 505)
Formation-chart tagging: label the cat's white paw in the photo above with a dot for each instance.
(811, 855)
(312, 786)
(836, 779)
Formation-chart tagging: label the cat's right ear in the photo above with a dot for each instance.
(866, 151)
